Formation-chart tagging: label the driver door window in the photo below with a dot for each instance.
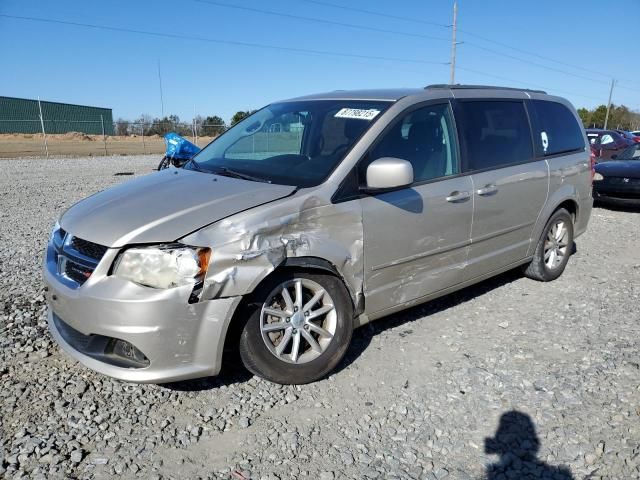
(425, 138)
(280, 135)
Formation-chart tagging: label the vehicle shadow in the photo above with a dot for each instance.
(233, 372)
(617, 207)
(517, 445)
(362, 336)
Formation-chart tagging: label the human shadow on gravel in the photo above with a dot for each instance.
(362, 336)
(517, 445)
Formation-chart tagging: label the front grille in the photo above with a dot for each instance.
(58, 237)
(88, 249)
(76, 272)
(74, 259)
(622, 181)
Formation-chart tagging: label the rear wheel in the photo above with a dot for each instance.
(299, 328)
(554, 248)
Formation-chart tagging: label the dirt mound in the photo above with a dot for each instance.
(77, 136)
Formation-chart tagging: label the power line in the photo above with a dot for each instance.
(529, 84)
(393, 32)
(272, 47)
(318, 20)
(222, 42)
(480, 37)
(526, 52)
(535, 64)
(378, 14)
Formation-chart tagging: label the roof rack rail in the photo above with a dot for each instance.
(458, 86)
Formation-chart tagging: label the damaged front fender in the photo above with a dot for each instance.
(248, 246)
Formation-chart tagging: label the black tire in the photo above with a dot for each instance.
(259, 360)
(538, 269)
(164, 163)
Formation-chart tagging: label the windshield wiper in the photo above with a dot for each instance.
(194, 166)
(228, 172)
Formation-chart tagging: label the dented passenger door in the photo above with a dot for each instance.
(416, 238)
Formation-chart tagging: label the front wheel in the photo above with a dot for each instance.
(299, 328)
(554, 248)
(164, 163)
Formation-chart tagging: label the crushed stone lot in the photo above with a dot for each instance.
(507, 379)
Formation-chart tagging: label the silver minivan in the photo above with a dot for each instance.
(311, 217)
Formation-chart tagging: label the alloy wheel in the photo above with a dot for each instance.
(298, 321)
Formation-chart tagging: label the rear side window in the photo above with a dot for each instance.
(606, 139)
(557, 129)
(493, 134)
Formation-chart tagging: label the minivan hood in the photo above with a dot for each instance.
(164, 206)
(619, 168)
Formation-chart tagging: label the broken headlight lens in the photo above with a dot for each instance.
(163, 266)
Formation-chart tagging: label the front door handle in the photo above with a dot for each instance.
(487, 190)
(457, 197)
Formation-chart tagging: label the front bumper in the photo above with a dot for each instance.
(620, 192)
(179, 340)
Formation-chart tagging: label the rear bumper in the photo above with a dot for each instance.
(178, 340)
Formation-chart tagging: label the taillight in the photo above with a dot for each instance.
(592, 157)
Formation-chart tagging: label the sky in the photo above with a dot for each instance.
(220, 56)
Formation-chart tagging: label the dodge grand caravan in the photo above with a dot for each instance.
(311, 217)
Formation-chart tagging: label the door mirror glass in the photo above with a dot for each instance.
(388, 172)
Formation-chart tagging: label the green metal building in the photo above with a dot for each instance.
(19, 115)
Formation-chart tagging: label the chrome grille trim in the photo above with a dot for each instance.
(73, 259)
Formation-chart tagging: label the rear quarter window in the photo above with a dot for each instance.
(557, 129)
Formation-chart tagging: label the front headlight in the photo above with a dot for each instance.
(597, 177)
(163, 266)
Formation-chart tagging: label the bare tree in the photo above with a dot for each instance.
(122, 127)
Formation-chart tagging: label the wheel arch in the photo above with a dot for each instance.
(290, 264)
(564, 198)
(570, 205)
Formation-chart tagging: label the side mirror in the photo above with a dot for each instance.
(613, 157)
(387, 173)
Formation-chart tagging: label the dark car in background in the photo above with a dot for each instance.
(618, 179)
(608, 142)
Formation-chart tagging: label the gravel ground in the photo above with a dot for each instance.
(507, 379)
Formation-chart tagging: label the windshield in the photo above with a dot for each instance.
(290, 143)
(631, 153)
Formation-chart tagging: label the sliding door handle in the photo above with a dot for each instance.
(457, 197)
(487, 190)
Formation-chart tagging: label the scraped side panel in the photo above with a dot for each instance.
(249, 246)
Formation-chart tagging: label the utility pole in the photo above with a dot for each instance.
(161, 99)
(453, 43)
(606, 118)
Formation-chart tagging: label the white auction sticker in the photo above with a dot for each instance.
(357, 113)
